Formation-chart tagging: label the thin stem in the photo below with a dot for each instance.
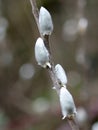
(51, 71)
(73, 123)
(35, 13)
(46, 41)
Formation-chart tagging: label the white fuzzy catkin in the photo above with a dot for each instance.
(60, 74)
(45, 22)
(67, 103)
(42, 54)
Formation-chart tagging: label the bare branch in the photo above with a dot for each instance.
(35, 12)
(73, 123)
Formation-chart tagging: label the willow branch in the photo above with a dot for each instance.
(46, 41)
(51, 71)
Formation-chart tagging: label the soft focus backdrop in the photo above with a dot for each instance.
(27, 101)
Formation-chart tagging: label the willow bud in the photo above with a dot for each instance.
(67, 104)
(42, 54)
(45, 22)
(60, 74)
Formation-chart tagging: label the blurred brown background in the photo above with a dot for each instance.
(27, 101)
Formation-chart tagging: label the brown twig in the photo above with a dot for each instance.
(51, 71)
(73, 123)
(35, 13)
